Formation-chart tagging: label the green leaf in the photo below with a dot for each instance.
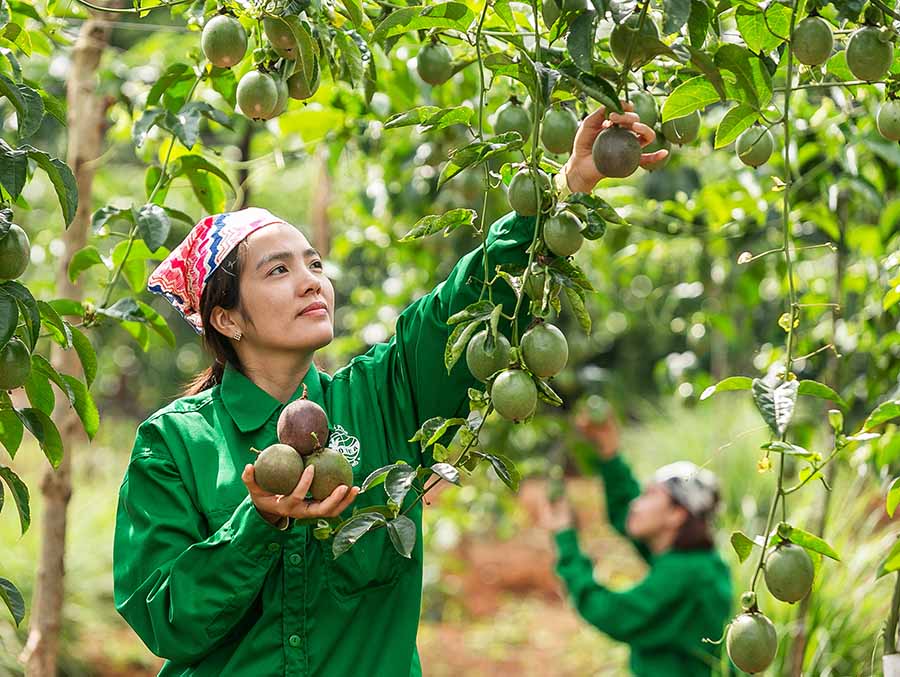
(44, 430)
(752, 75)
(84, 406)
(478, 152)
(764, 30)
(354, 12)
(792, 450)
(676, 15)
(547, 394)
(728, 384)
(377, 476)
(83, 259)
(506, 470)
(693, 95)
(105, 214)
(157, 323)
(737, 120)
(39, 392)
(883, 413)
(480, 310)
(595, 87)
(398, 482)
(27, 102)
(42, 364)
(13, 169)
(807, 540)
(58, 328)
(13, 600)
(442, 429)
(453, 15)
(893, 497)
(448, 222)
(28, 310)
(446, 472)
(86, 354)
(20, 496)
(891, 562)
(698, 23)
(200, 173)
(775, 402)
(55, 106)
(124, 309)
(354, 529)
(430, 117)
(580, 41)
(62, 179)
(742, 545)
(177, 72)
(141, 128)
(9, 319)
(153, 225)
(457, 342)
(576, 300)
(11, 431)
(820, 390)
(402, 532)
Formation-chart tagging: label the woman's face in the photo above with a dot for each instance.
(284, 292)
(652, 513)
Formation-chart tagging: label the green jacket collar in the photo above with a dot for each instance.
(251, 407)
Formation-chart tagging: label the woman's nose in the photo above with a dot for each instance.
(309, 282)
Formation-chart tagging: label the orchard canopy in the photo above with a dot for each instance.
(754, 266)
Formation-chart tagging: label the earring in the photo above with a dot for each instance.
(237, 335)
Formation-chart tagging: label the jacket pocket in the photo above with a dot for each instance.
(371, 564)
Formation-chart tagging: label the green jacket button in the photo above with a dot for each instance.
(295, 559)
(294, 640)
(274, 547)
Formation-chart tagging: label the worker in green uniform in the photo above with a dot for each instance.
(686, 596)
(213, 573)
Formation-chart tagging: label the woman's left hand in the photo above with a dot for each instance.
(556, 515)
(581, 173)
(276, 506)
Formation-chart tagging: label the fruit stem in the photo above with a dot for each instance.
(626, 67)
(849, 83)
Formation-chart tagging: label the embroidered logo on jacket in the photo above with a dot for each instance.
(342, 441)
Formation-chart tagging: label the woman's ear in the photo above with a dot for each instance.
(222, 321)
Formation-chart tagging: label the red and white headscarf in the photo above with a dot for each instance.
(182, 277)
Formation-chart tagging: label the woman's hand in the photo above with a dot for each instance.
(581, 173)
(556, 515)
(274, 507)
(605, 436)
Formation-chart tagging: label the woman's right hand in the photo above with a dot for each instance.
(274, 507)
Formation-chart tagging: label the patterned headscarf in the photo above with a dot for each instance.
(183, 275)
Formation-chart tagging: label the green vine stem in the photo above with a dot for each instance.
(780, 494)
(486, 169)
(431, 485)
(626, 67)
(133, 10)
(133, 232)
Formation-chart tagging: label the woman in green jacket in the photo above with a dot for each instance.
(686, 596)
(211, 571)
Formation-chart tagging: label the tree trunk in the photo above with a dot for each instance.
(86, 115)
(244, 170)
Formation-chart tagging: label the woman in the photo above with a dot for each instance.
(210, 570)
(686, 596)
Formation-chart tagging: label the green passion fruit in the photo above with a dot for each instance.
(15, 253)
(223, 41)
(545, 350)
(562, 234)
(484, 363)
(512, 117)
(869, 53)
(789, 572)
(514, 394)
(812, 41)
(522, 194)
(278, 468)
(15, 364)
(616, 152)
(435, 63)
(558, 130)
(332, 470)
(754, 146)
(682, 130)
(257, 95)
(751, 642)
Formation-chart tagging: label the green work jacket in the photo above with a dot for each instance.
(685, 598)
(212, 587)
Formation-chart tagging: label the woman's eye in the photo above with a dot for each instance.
(318, 265)
(276, 268)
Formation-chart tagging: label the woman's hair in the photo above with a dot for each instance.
(222, 289)
(696, 533)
